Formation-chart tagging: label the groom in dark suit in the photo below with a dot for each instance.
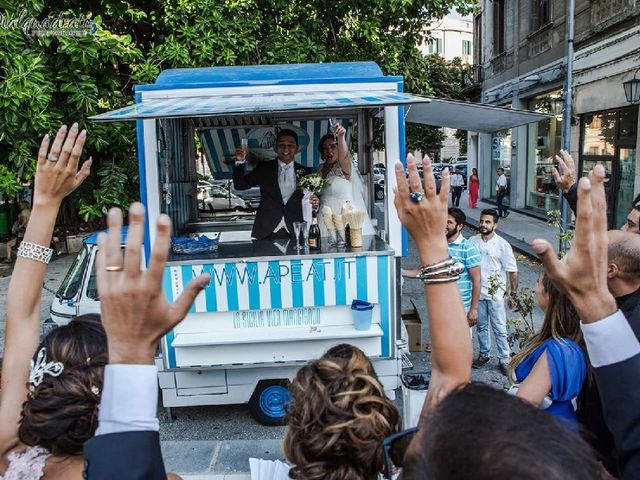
(281, 199)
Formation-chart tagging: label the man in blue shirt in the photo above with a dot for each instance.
(468, 255)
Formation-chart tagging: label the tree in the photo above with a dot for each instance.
(51, 79)
(442, 78)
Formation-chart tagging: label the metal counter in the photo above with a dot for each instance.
(265, 250)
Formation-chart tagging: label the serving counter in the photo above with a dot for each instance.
(266, 292)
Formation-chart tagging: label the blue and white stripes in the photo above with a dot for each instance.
(284, 283)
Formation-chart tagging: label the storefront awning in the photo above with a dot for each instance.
(221, 105)
(477, 117)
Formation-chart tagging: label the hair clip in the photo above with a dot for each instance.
(41, 368)
(95, 390)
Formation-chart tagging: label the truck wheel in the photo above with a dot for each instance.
(269, 401)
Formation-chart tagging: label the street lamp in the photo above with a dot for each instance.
(556, 104)
(632, 88)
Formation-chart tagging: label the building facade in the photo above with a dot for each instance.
(450, 37)
(520, 63)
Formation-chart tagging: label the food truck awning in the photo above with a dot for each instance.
(258, 103)
(477, 117)
(438, 112)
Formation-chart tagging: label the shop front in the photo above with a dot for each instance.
(501, 149)
(544, 141)
(609, 138)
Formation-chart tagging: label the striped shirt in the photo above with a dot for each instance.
(468, 255)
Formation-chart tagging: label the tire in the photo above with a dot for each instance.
(380, 194)
(269, 401)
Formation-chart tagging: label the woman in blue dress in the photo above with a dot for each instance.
(552, 367)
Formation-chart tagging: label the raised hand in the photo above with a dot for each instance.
(568, 166)
(582, 273)
(425, 219)
(135, 312)
(57, 172)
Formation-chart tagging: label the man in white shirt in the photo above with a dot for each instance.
(497, 261)
(502, 189)
(457, 184)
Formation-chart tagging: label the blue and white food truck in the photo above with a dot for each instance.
(269, 308)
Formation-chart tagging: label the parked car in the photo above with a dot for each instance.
(378, 174)
(378, 189)
(215, 197)
(251, 196)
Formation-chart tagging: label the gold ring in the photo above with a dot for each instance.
(115, 268)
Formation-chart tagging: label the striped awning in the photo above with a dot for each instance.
(221, 105)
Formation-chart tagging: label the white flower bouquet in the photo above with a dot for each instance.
(312, 182)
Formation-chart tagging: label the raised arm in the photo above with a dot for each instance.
(566, 181)
(242, 180)
(135, 314)
(424, 214)
(56, 176)
(614, 351)
(344, 157)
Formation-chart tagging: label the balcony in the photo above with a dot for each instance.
(472, 77)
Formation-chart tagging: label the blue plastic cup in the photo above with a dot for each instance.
(362, 313)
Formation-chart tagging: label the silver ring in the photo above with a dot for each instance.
(416, 197)
(52, 158)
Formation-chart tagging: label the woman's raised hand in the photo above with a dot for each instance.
(57, 172)
(422, 210)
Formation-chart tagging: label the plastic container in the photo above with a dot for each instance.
(362, 313)
(414, 393)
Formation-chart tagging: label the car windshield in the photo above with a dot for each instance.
(71, 283)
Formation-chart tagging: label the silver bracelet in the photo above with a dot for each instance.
(447, 270)
(36, 252)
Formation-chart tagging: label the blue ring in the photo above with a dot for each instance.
(416, 197)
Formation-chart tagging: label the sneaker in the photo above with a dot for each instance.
(503, 364)
(480, 361)
(506, 214)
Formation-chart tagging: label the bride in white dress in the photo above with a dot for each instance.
(343, 181)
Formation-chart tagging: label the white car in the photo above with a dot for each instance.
(215, 197)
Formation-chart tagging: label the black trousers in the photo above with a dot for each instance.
(455, 196)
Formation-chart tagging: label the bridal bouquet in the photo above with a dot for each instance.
(312, 182)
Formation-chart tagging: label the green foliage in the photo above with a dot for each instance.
(45, 81)
(564, 235)
(521, 328)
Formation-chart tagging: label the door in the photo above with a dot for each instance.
(626, 160)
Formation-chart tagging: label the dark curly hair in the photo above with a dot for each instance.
(337, 418)
(62, 412)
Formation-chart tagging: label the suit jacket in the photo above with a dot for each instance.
(620, 395)
(272, 208)
(127, 455)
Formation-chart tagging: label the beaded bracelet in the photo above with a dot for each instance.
(36, 252)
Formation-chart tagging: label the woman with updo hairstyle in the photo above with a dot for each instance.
(62, 412)
(337, 418)
(50, 389)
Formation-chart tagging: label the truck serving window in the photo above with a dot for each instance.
(71, 283)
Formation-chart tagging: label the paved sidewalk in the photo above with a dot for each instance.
(228, 459)
(518, 229)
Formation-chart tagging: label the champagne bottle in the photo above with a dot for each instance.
(314, 232)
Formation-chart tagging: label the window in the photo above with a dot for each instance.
(477, 33)
(466, 47)
(540, 14)
(498, 27)
(435, 45)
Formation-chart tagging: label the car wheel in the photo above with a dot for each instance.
(268, 403)
(380, 194)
